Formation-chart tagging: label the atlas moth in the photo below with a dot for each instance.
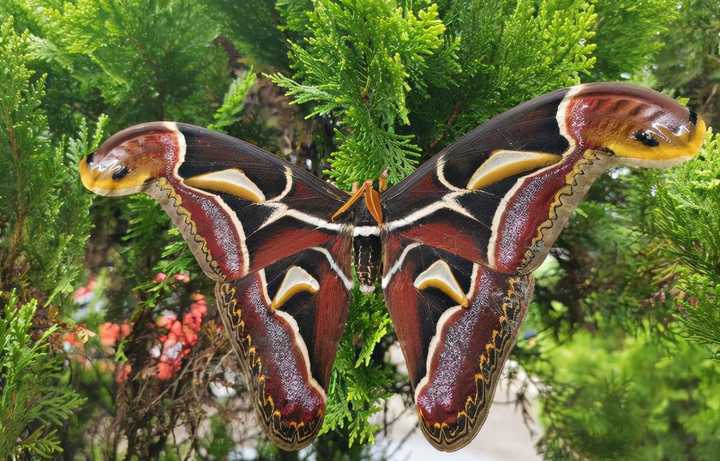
(453, 246)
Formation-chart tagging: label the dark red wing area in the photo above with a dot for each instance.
(284, 237)
(241, 208)
(285, 322)
(415, 312)
(472, 347)
(454, 354)
(440, 206)
(452, 232)
(534, 216)
(531, 126)
(320, 316)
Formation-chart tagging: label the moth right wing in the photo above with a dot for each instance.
(497, 200)
(456, 307)
(456, 200)
(456, 322)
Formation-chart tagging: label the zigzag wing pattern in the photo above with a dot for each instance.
(285, 322)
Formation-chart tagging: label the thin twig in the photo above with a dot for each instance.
(451, 119)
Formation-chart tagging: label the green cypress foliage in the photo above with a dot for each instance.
(359, 60)
(629, 36)
(45, 223)
(360, 382)
(34, 401)
(44, 209)
(511, 51)
(233, 102)
(684, 218)
(148, 59)
(255, 28)
(624, 398)
(689, 64)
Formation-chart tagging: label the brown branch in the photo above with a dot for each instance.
(232, 53)
(451, 119)
(711, 95)
(21, 214)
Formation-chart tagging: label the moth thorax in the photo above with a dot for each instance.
(366, 253)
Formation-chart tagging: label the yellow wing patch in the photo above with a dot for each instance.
(231, 181)
(296, 281)
(505, 163)
(440, 276)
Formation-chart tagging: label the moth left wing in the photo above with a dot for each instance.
(286, 316)
(258, 208)
(260, 228)
(285, 322)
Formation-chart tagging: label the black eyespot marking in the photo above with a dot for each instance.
(646, 138)
(120, 173)
(693, 117)
(89, 158)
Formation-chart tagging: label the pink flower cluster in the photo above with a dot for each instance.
(181, 336)
(71, 341)
(110, 333)
(175, 337)
(182, 277)
(84, 294)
